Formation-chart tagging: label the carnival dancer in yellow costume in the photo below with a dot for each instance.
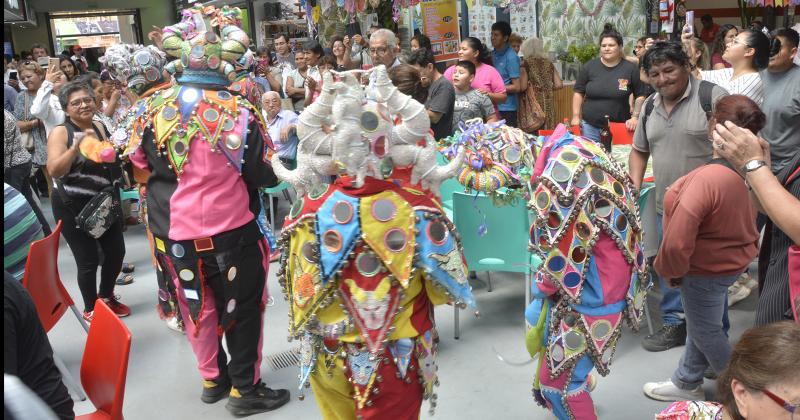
(366, 258)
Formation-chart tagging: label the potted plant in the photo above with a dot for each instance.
(575, 57)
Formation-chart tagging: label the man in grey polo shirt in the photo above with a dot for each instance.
(676, 135)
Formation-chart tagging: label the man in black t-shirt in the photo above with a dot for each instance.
(27, 352)
(441, 94)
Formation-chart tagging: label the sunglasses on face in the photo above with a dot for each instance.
(82, 101)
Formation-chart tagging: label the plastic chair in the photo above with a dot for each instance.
(283, 187)
(104, 367)
(49, 295)
(575, 130)
(504, 247)
(132, 194)
(644, 195)
(620, 133)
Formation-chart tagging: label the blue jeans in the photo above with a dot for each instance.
(590, 132)
(671, 307)
(705, 301)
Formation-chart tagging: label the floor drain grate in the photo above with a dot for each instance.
(284, 359)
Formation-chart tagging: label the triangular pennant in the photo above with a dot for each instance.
(337, 229)
(372, 303)
(402, 351)
(440, 256)
(164, 123)
(386, 220)
(362, 367)
(209, 119)
(601, 329)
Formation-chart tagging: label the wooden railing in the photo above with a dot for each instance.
(563, 102)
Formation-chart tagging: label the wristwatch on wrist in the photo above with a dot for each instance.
(753, 164)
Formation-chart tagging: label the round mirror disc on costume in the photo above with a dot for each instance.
(395, 240)
(618, 188)
(553, 220)
(583, 230)
(578, 255)
(437, 232)
(574, 340)
(601, 329)
(572, 279)
(211, 115)
(379, 147)
(228, 125)
(369, 121)
(231, 305)
(317, 191)
(178, 251)
(224, 95)
(622, 222)
(198, 51)
(342, 212)
(308, 252)
(556, 264)
(569, 157)
(232, 273)
(211, 37)
(233, 141)
(383, 210)
(151, 74)
(179, 147)
(169, 113)
(586, 153)
(639, 258)
(186, 275)
(332, 240)
(560, 172)
(367, 264)
(602, 208)
(557, 353)
(512, 155)
(583, 180)
(597, 175)
(142, 58)
(297, 207)
(542, 200)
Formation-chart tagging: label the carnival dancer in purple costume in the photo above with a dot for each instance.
(206, 151)
(588, 234)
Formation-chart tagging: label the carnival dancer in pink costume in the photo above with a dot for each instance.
(588, 234)
(206, 151)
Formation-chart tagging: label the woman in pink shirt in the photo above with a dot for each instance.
(487, 79)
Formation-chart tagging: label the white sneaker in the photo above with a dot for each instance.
(737, 292)
(174, 324)
(667, 391)
(748, 281)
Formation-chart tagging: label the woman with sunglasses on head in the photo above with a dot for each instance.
(81, 178)
(747, 53)
(759, 383)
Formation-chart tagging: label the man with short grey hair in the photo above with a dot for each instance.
(281, 126)
(383, 48)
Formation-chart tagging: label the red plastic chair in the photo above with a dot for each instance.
(44, 284)
(104, 367)
(620, 133)
(575, 129)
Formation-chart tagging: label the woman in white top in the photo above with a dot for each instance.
(748, 53)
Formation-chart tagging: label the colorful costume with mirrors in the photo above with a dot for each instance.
(588, 233)
(365, 259)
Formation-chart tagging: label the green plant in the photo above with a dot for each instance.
(581, 54)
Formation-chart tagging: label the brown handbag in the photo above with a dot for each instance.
(530, 116)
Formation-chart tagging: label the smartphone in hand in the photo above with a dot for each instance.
(12, 74)
(43, 62)
(690, 21)
(55, 63)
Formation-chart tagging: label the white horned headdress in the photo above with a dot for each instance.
(343, 131)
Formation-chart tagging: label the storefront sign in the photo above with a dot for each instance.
(440, 24)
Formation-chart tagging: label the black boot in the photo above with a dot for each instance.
(258, 399)
(667, 337)
(215, 390)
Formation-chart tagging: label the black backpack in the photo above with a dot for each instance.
(704, 91)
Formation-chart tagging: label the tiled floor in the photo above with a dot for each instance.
(164, 384)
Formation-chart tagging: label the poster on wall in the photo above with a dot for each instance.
(481, 19)
(440, 24)
(523, 19)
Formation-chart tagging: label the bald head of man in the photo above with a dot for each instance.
(271, 103)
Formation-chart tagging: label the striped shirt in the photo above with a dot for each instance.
(774, 303)
(748, 85)
(20, 228)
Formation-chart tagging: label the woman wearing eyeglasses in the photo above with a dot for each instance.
(80, 179)
(760, 382)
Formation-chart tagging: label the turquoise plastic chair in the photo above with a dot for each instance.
(131, 194)
(448, 187)
(504, 247)
(283, 187)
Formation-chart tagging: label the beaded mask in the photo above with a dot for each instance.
(138, 66)
(207, 43)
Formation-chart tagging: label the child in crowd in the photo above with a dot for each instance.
(470, 103)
